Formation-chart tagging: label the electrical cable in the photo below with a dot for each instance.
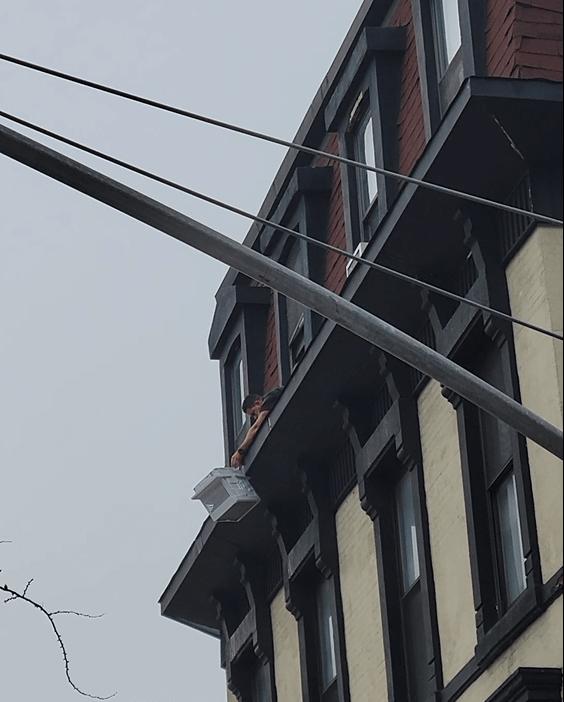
(282, 142)
(278, 227)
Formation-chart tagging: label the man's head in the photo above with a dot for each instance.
(252, 405)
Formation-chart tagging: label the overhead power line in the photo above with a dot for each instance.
(282, 142)
(278, 227)
(328, 304)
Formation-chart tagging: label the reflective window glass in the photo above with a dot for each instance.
(512, 561)
(449, 36)
(326, 624)
(366, 153)
(409, 555)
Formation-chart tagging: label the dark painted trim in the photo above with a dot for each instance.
(241, 638)
(396, 442)
(306, 182)
(531, 685)
(372, 44)
(552, 590)
(228, 305)
(473, 20)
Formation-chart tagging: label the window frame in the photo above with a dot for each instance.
(441, 36)
(379, 493)
(495, 617)
(440, 82)
(294, 342)
(371, 81)
(360, 126)
(365, 213)
(325, 603)
(240, 320)
(235, 383)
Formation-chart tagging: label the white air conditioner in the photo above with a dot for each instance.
(227, 494)
(359, 251)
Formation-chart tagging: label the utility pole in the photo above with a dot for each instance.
(284, 281)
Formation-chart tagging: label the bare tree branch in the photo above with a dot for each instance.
(14, 595)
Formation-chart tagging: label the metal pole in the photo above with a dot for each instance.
(285, 281)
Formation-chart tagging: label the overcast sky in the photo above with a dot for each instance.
(109, 406)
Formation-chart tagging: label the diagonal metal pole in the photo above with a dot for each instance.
(285, 281)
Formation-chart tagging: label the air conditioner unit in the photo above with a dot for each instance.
(227, 494)
(359, 251)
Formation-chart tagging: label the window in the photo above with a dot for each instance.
(410, 598)
(327, 654)
(446, 20)
(495, 459)
(236, 385)
(296, 320)
(326, 634)
(411, 635)
(365, 152)
(511, 561)
(497, 449)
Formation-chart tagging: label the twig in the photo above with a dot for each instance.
(23, 596)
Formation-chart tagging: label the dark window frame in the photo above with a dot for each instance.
(362, 113)
(311, 562)
(441, 38)
(304, 586)
(235, 387)
(294, 339)
(370, 87)
(440, 82)
(379, 486)
(529, 685)
(246, 633)
(240, 321)
(496, 619)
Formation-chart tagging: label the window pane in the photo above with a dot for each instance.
(512, 561)
(237, 391)
(370, 160)
(366, 153)
(326, 635)
(409, 555)
(453, 37)
(294, 310)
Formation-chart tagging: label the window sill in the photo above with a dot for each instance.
(522, 613)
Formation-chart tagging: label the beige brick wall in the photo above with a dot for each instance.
(286, 651)
(534, 278)
(447, 529)
(361, 602)
(540, 646)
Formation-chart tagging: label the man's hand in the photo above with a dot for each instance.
(237, 459)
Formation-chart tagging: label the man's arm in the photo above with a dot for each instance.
(237, 458)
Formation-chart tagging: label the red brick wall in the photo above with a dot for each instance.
(524, 39)
(335, 264)
(411, 124)
(271, 376)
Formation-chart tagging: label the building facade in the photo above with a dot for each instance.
(408, 546)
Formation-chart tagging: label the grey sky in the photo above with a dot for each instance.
(109, 405)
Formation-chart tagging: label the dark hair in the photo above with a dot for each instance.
(249, 401)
